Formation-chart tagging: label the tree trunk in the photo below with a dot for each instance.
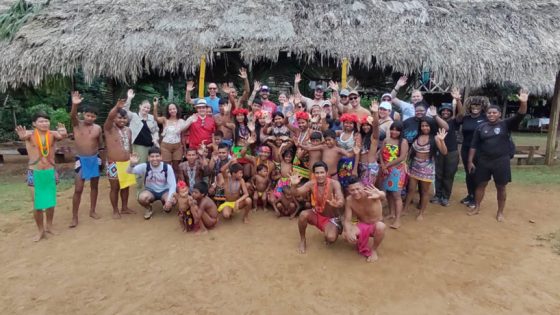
(551, 144)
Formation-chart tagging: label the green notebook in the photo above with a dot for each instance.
(45, 188)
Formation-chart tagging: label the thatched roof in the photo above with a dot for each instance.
(468, 42)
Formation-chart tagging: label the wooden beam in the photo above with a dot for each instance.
(553, 126)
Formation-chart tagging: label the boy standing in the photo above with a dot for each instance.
(87, 137)
(41, 174)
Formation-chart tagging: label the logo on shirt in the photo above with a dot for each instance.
(497, 130)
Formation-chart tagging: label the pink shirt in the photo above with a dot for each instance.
(269, 106)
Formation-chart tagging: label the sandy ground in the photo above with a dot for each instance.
(447, 264)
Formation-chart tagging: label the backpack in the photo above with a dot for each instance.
(149, 168)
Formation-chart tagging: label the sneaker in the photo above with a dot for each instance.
(435, 199)
(471, 205)
(468, 199)
(148, 213)
(444, 202)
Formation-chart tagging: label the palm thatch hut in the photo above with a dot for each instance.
(464, 42)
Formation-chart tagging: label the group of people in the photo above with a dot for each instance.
(330, 162)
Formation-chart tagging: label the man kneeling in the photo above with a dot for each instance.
(365, 204)
(159, 181)
(326, 198)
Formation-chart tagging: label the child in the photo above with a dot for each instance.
(88, 163)
(41, 173)
(193, 169)
(236, 194)
(394, 150)
(287, 204)
(330, 152)
(261, 184)
(184, 201)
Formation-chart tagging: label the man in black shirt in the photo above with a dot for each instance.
(491, 141)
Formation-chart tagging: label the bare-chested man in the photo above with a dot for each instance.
(236, 193)
(327, 200)
(118, 140)
(87, 137)
(41, 173)
(365, 204)
(355, 107)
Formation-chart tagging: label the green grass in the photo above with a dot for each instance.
(527, 175)
(530, 138)
(16, 195)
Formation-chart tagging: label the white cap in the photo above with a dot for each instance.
(386, 105)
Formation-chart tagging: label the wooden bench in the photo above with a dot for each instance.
(59, 155)
(7, 152)
(526, 153)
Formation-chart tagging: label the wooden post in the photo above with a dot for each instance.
(202, 77)
(553, 126)
(344, 76)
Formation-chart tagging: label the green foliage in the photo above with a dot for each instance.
(57, 115)
(12, 20)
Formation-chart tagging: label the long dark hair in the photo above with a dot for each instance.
(398, 126)
(432, 139)
(178, 111)
(236, 135)
(366, 137)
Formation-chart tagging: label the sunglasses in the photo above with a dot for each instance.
(386, 99)
(212, 88)
(354, 98)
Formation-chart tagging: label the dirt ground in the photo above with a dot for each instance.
(448, 264)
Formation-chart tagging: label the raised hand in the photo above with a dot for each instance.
(523, 95)
(190, 86)
(226, 88)
(227, 108)
(251, 125)
(323, 115)
(122, 102)
(21, 132)
(156, 101)
(432, 111)
(333, 85)
(314, 119)
(61, 127)
(243, 73)
(295, 179)
(252, 139)
(76, 98)
(256, 86)
(134, 158)
(374, 107)
(267, 118)
(455, 93)
(441, 134)
(369, 120)
(130, 94)
(402, 81)
(372, 192)
(289, 114)
(297, 78)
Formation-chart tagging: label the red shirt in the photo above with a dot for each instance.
(199, 132)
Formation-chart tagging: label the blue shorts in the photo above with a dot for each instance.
(158, 195)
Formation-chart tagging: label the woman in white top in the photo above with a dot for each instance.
(171, 147)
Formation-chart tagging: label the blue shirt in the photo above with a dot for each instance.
(214, 103)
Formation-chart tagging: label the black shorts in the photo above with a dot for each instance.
(499, 169)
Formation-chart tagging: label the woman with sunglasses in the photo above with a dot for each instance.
(355, 107)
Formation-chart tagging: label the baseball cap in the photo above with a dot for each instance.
(319, 87)
(447, 106)
(353, 92)
(265, 88)
(385, 105)
(386, 95)
(344, 92)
